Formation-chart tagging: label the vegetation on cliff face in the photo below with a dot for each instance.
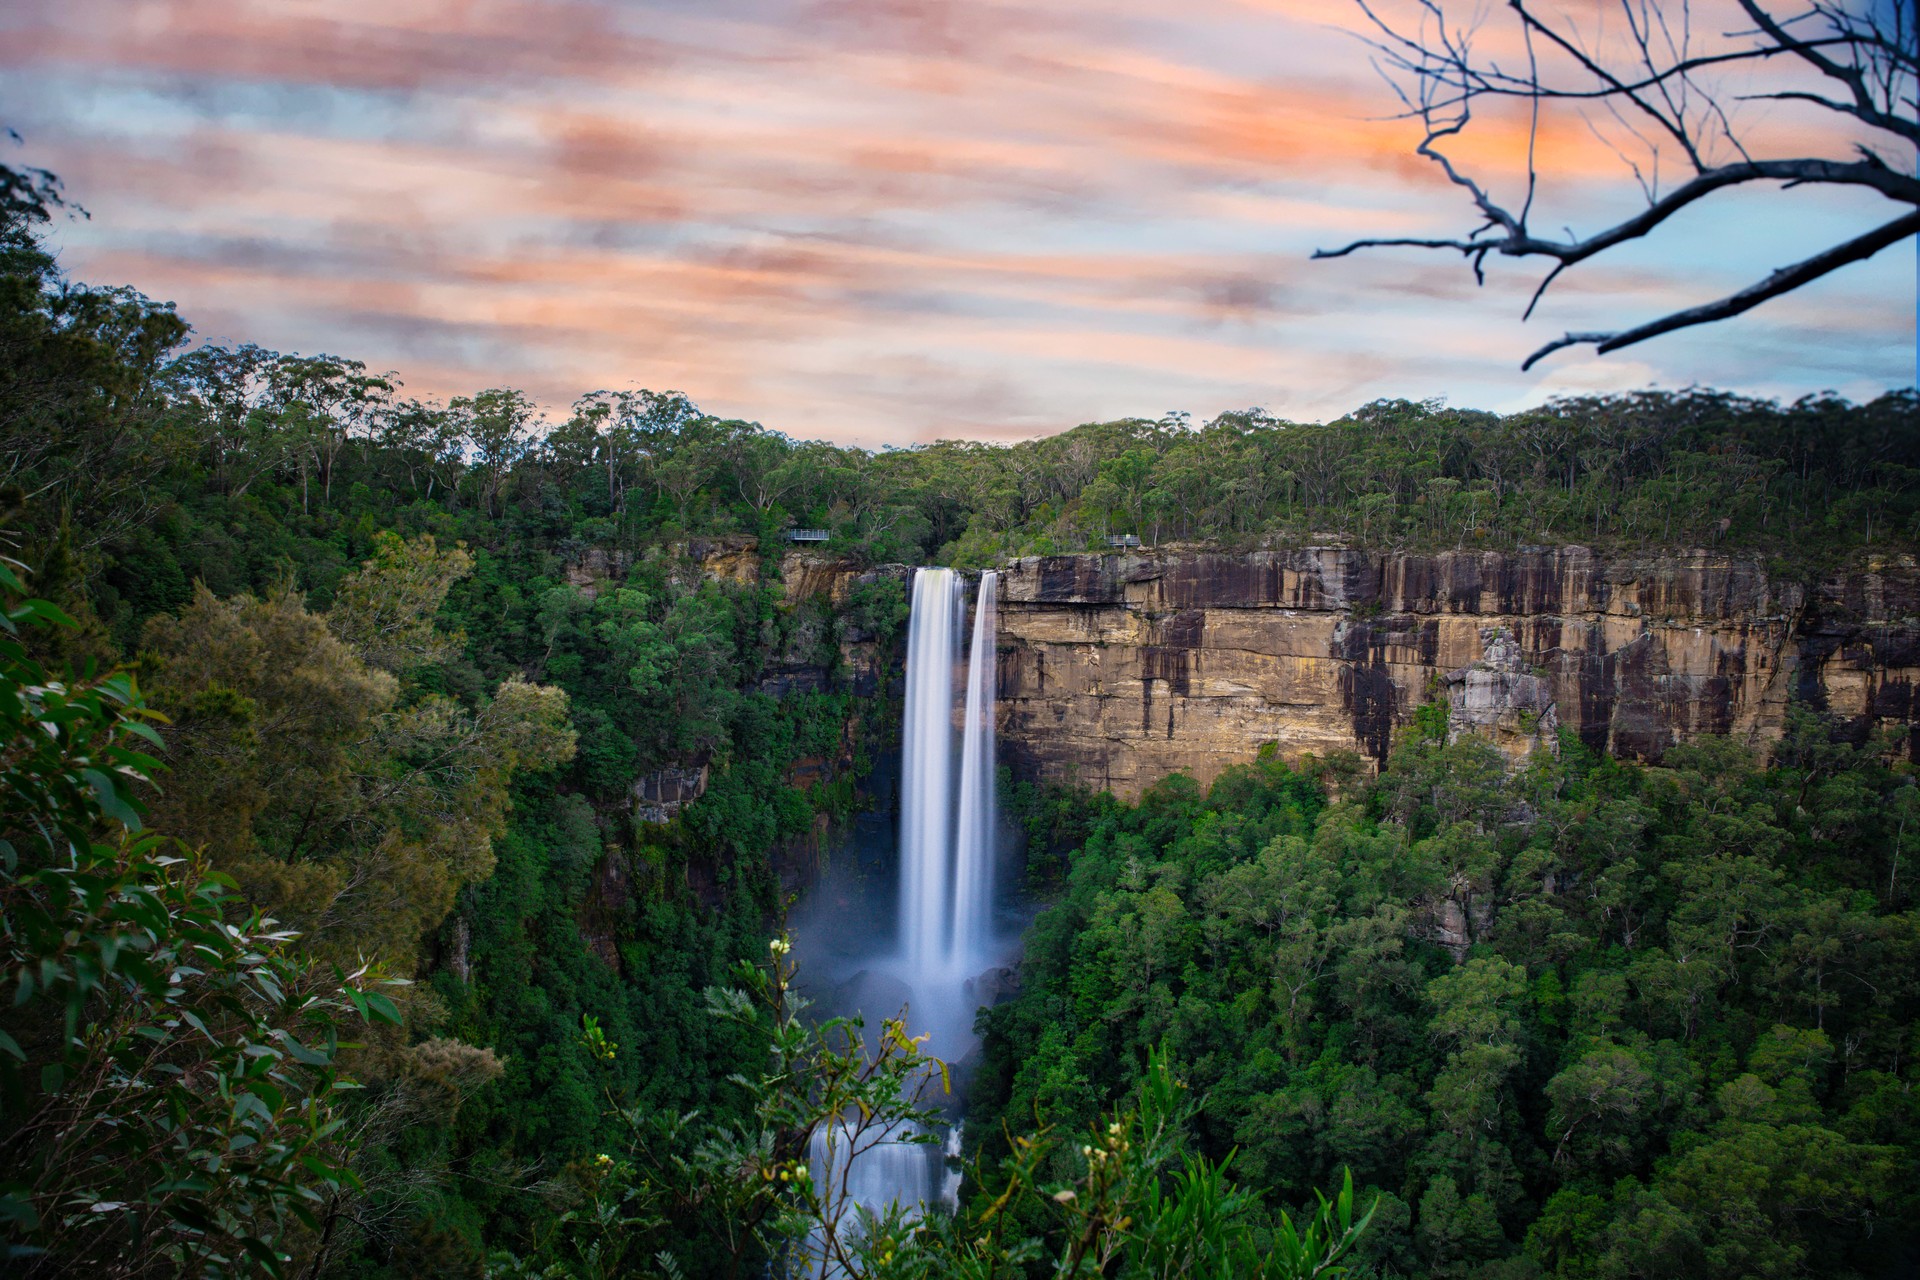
(406, 664)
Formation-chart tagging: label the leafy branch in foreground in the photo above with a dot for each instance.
(747, 1190)
(772, 1188)
(1137, 1204)
(167, 1075)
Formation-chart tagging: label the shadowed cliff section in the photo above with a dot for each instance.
(1119, 669)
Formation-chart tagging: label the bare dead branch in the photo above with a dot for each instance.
(1864, 108)
(1782, 281)
(1863, 173)
(1660, 97)
(1541, 290)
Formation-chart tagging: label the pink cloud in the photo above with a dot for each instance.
(405, 44)
(835, 215)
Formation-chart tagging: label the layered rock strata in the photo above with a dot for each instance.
(1116, 670)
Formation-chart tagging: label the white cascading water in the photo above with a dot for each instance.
(948, 825)
(870, 1167)
(926, 773)
(977, 820)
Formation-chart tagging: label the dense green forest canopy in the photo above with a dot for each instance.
(1590, 1019)
(358, 690)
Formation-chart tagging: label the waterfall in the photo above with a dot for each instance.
(871, 1167)
(977, 818)
(926, 771)
(946, 832)
(948, 823)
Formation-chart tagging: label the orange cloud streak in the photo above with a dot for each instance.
(880, 200)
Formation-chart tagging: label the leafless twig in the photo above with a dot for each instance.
(1665, 93)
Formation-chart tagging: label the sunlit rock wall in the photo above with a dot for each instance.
(1117, 670)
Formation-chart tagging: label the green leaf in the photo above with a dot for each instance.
(107, 790)
(47, 611)
(321, 1168)
(258, 1250)
(145, 731)
(382, 1008)
(301, 1052)
(17, 1209)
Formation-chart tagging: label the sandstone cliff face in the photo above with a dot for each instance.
(832, 582)
(1117, 670)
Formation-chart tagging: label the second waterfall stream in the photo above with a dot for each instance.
(947, 818)
(948, 843)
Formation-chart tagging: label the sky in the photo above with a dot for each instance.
(879, 222)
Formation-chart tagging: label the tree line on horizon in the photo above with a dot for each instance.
(1652, 468)
(96, 459)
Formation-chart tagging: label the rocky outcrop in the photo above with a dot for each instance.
(1502, 698)
(813, 575)
(731, 557)
(593, 567)
(660, 795)
(831, 582)
(1116, 670)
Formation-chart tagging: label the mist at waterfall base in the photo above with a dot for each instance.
(908, 916)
